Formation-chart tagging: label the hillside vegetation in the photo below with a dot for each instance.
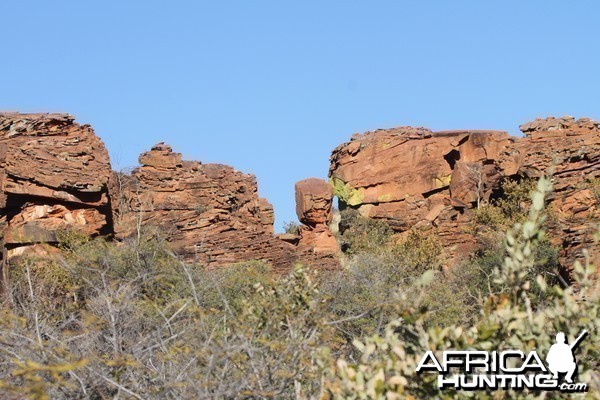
(105, 320)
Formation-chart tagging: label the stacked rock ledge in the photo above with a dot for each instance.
(414, 178)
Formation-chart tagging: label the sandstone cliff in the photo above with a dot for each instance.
(210, 213)
(54, 176)
(573, 146)
(416, 178)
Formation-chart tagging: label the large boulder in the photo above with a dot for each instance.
(410, 176)
(54, 176)
(313, 207)
(313, 201)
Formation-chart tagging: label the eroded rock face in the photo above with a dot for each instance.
(405, 175)
(573, 147)
(211, 213)
(416, 178)
(313, 201)
(54, 176)
(313, 207)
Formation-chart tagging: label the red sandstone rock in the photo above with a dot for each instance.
(573, 147)
(38, 223)
(404, 174)
(313, 207)
(415, 178)
(54, 175)
(210, 213)
(313, 201)
(318, 240)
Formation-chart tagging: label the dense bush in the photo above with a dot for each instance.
(386, 368)
(359, 234)
(103, 320)
(509, 206)
(145, 325)
(363, 294)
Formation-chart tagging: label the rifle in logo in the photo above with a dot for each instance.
(506, 369)
(560, 358)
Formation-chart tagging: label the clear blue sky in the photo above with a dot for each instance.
(272, 87)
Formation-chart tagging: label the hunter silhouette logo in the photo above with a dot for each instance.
(560, 357)
(508, 369)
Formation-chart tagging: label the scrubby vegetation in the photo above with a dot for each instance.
(509, 207)
(132, 321)
(104, 320)
(594, 185)
(509, 318)
(362, 235)
(291, 227)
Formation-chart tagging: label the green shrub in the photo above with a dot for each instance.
(364, 293)
(291, 227)
(70, 240)
(507, 208)
(419, 252)
(491, 216)
(594, 185)
(233, 285)
(359, 234)
(387, 363)
(516, 198)
(46, 285)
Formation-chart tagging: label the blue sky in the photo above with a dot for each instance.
(272, 87)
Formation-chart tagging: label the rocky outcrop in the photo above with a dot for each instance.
(313, 207)
(573, 148)
(210, 213)
(54, 176)
(413, 177)
(416, 178)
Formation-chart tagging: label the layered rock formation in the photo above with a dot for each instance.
(54, 176)
(210, 213)
(313, 208)
(416, 178)
(405, 176)
(573, 147)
